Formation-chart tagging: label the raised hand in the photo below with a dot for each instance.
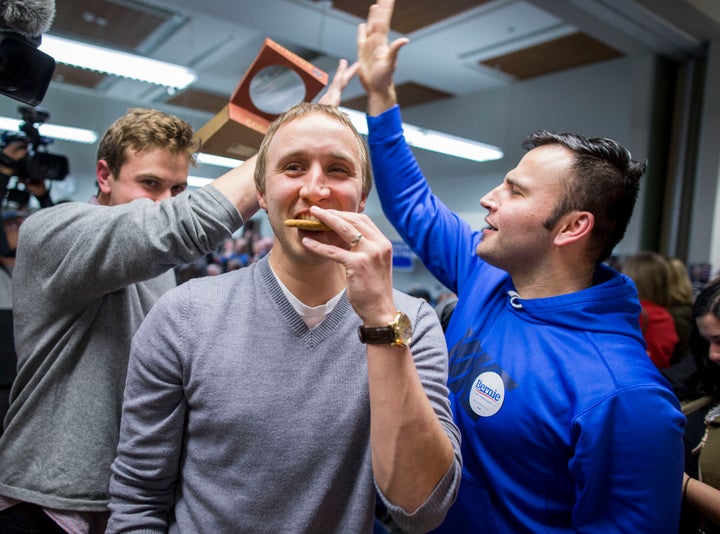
(343, 75)
(378, 57)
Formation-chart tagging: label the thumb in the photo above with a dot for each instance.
(395, 47)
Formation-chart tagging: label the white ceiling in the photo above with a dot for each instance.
(220, 38)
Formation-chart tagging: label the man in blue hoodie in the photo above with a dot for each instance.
(566, 424)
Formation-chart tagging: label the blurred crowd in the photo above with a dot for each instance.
(234, 253)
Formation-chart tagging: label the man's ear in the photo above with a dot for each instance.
(362, 205)
(104, 176)
(261, 201)
(574, 226)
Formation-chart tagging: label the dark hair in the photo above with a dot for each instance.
(708, 301)
(605, 182)
(708, 372)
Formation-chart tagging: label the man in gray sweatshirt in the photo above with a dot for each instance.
(86, 274)
(285, 396)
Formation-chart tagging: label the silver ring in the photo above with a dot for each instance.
(355, 240)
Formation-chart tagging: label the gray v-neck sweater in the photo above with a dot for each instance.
(239, 418)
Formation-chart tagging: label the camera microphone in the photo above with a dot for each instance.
(27, 17)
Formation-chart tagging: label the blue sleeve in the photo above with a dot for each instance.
(442, 240)
(627, 466)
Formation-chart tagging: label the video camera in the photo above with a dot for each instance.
(38, 164)
(25, 71)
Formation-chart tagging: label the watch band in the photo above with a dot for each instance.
(398, 333)
(377, 335)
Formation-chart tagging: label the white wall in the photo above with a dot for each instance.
(705, 219)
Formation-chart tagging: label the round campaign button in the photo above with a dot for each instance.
(487, 394)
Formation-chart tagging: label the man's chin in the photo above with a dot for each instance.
(486, 255)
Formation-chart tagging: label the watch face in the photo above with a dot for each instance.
(403, 329)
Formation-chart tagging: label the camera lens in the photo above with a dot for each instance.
(14, 64)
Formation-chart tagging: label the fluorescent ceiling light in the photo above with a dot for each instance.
(117, 63)
(434, 140)
(54, 131)
(218, 161)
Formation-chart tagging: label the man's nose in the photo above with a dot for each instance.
(489, 201)
(316, 184)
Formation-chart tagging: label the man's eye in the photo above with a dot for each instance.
(150, 183)
(177, 189)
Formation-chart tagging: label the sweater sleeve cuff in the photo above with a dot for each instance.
(386, 124)
(432, 512)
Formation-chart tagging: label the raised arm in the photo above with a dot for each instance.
(238, 186)
(378, 57)
(343, 74)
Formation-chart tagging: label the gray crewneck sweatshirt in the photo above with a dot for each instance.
(84, 279)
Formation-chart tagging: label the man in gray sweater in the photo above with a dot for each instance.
(86, 274)
(285, 396)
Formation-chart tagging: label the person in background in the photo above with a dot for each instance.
(701, 490)
(680, 307)
(344, 398)
(421, 293)
(566, 424)
(651, 273)
(11, 157)
(13, 214)
(444, 308)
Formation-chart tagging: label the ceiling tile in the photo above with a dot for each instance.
(200, 100)
(122, 25)
(408, 94)
(566, 52)
(412, 15)
(81, 77)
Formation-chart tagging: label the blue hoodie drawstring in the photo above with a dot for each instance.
(515, 300)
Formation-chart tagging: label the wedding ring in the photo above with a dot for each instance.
(355, 240)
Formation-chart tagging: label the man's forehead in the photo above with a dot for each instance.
(341, 145)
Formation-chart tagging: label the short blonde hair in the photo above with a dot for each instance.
(301, 110)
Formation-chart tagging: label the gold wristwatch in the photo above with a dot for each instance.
(398, 333)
